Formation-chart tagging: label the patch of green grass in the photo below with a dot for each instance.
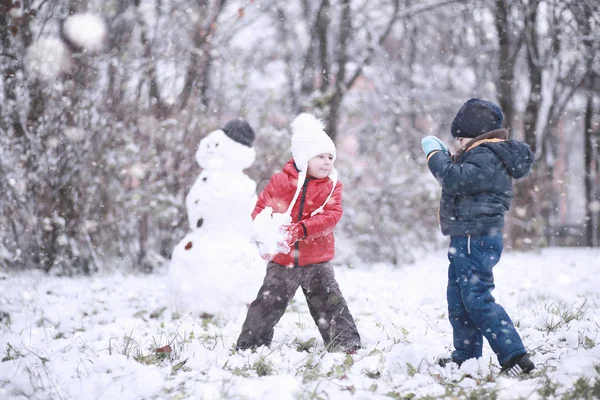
(158, 313)
(339, 371)
(208, 320)
(584, 388)
(151, 359)
(587, 343)
(210, 342)
(562, 314)
(477, 393)
(5, 321)
(410, 370)
(262, 367)
(396, 395)
(313, 394)
(304, 345)
(158, 352)
(180, 366)
(548, 388)
(456, 389)
(243, 372)
(310, 371)
(373, 374)
(11, 353)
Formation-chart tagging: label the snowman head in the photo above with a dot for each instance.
(229, 148)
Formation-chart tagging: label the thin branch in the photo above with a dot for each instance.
(397, 14)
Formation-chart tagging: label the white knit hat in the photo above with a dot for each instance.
(308, 141)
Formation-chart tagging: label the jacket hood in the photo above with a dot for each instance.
(291, 169)
(517, 156)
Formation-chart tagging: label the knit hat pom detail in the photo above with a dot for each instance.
(306, 122)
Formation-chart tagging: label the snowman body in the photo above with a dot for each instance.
(221, 200)
(216, 269)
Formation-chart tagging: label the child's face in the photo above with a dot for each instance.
(462, 141)
(320, 166)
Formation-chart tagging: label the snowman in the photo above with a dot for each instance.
(215, 269)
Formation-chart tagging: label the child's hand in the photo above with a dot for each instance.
(432, 143)
(291, 234)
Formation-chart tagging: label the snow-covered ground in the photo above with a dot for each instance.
(97, 338)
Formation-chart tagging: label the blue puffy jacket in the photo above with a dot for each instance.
(477, 182)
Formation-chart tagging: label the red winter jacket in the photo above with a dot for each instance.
(318, 245)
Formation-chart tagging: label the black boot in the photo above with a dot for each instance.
(442, 362)
(519, 365)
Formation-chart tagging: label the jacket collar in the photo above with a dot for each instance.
(498, 135)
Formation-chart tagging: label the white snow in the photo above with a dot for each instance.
(87, 31)
(94, 338)
(15, 13)
(46, 59)
(74, 134)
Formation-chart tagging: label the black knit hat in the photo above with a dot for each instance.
(475, 118)
(240, 131)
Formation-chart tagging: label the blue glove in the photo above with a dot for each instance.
(431, 143)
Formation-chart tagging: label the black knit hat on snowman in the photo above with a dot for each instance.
(308, 141)
(240, 131)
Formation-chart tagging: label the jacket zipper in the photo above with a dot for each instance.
(302, 199)
(455, 207)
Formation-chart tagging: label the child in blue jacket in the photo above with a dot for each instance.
(476, 192)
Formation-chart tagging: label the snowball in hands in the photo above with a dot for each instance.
(268, 233)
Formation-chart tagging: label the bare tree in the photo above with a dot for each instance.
(554, 77)
(587, 16)
(510, 40)
(318, 75)
(96, 162)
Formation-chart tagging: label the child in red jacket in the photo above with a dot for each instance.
(308, 190)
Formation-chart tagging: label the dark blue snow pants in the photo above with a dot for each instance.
(472, 310)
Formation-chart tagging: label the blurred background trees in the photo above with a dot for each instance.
(103, 103)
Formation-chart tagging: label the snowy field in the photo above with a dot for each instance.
(106, 337)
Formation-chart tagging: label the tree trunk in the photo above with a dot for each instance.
(506, 64)
(590, 222)
(143, 234)
(322, 26)
(535, 79)
(9, 66)
(523, 226)
(526, 224)
(283, 25)
(596, 174)
(340, 84)
(201, 57)
(309, 66)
